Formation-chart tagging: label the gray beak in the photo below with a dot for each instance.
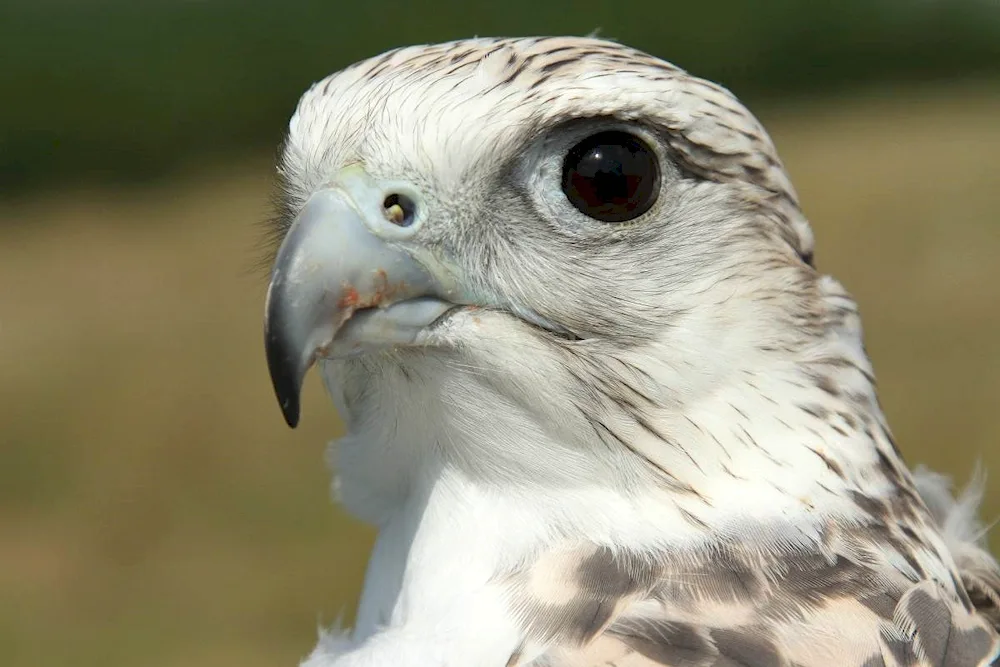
(347, 281)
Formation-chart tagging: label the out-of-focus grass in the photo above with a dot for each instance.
(155, 510)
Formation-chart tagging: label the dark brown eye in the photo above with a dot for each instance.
(611, 176)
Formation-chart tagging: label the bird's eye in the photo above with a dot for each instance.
(611, 176)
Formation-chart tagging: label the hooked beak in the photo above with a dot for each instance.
(346, 281)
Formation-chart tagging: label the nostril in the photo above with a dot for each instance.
(399, 210)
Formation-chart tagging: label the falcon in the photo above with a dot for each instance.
(599, 402)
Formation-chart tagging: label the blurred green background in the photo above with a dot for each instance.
(153, 507)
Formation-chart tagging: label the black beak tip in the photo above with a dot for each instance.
(287, 389)
(286, 377)
(290, 409)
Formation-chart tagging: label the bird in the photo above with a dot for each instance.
(599, 402)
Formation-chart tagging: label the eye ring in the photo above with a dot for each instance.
(612, 176)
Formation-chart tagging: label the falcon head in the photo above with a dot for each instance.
(541, 213)
(562, 294)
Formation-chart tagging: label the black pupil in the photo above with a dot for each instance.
(611, 176)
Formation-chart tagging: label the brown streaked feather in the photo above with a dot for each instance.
(772, 603)
(930, 629)
(978, 571)
(982, 583)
